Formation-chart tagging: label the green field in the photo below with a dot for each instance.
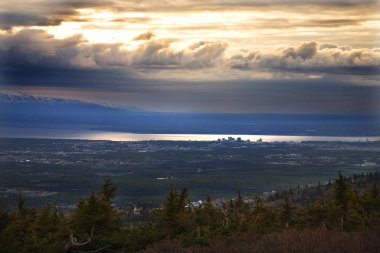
(62, 171)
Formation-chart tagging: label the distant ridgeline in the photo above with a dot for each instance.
(340, 216)
(35, 111)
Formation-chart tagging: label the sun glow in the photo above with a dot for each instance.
(240, 29)
(103, 15)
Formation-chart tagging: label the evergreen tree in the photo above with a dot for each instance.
(108, 190)
(341, 198)
(21, 203)
(371, 200)
(317, 214)
(174, 218)
(94, 220)
(286, 212)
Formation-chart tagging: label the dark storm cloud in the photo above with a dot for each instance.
(159, 54)
(325, 95)
(284, 96)
(32, 47)
(35, 59)
(44, 12)
(91, 79)
(37, 48)
(10, 19)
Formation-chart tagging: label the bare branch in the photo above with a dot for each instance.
(73, 243)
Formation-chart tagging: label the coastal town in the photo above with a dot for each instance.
(61, 171)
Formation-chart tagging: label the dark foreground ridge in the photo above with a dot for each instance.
(342, 218)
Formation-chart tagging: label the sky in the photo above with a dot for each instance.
(227, 56)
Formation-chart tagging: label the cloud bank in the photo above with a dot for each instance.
(219, 55)
(313, 57)
(37, 48)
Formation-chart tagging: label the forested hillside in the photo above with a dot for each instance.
(343, 216)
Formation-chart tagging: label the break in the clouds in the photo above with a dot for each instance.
(112, 46)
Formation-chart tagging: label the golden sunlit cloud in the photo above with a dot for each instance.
(239, 26)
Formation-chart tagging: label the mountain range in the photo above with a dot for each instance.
(38, 111)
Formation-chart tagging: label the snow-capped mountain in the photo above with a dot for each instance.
(24, 98)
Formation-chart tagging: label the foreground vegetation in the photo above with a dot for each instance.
(312, 240)
(345, 220)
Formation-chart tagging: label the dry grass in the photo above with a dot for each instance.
(310, 241)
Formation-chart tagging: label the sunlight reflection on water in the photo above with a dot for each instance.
(213, 137)
(20, 132)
